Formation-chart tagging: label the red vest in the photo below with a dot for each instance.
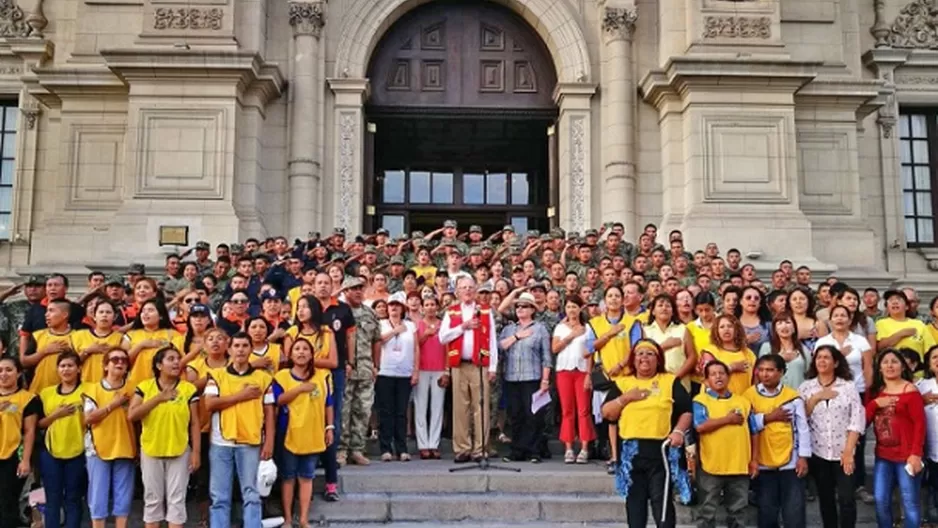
(480, 338)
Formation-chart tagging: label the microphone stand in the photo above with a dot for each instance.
(483, 463)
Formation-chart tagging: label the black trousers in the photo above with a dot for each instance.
(10, 488)
(526, 427)
(392, 396)
(648, 478)
(831, 481)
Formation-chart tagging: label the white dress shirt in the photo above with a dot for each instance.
(448, 333)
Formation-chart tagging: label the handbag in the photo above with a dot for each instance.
(600, 380)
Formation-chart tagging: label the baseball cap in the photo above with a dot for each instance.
(270, 295)
(475, 229)
(201, 244)
(113, 280)
(137, 269)
(450, 223)
(200, 310)
(352, 282)
(35, 280)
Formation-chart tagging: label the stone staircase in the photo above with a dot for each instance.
(551, 495)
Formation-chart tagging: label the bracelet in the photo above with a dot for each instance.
(330, 427)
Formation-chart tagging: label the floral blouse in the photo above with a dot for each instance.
(831, 420)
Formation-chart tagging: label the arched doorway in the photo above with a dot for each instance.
(458, 121)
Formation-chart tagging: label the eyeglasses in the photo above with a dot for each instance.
(190, 301)
(239, 301)
(117, 360)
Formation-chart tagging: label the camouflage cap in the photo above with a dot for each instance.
(418, 234)
(450, 223)
(475, 228)
(397, 260)
(557, 232)
(339, 231)
(236, 248)
(201, 244)
(370, 249)
(509, 227)
(137, 269)
(546, 238)
(383, 231)
(475, 250)
(591, 232)
(533, 233)
(352, 282)
(595, 298)
(35, 280)
(572, 236)
(113, 280)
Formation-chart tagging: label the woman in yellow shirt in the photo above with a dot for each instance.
(309, 325)
(897, 330)
(19, 412)
(198, 323)
(92, 343)
(664, 328)
(168, 408)
(728, 346)
(110, 444)
(62, 462)
(304, 396)
(424, 266)
(264, 354)
(151, 330)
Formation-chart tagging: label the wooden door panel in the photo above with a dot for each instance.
(461, 54)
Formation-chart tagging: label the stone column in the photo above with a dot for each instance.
(618, 102)
(348, 120)
(307, 20)
(574, 155)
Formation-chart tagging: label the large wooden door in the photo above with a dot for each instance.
(462, 55)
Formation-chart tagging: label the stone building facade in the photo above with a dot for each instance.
(798, 129)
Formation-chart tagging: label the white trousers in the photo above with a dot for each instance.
(428, 394)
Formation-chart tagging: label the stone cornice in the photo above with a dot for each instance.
(682, 74)
(52, 85)
(619, 23)
(307, 18)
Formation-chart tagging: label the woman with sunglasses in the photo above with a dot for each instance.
(754, 316)
(183, 302)
(62, 463)
(151, 330)
(19, 414)
(234, 314)
(92, 343)
(110, 444)
(167, 407)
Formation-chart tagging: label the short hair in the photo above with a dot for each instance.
(58, 276)
(240, 335)
(733, 250)
(778, 360)
(715, 363)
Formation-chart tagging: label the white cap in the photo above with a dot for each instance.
(399, 298)
(266, 476)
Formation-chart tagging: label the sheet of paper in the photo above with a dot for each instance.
(538, 400)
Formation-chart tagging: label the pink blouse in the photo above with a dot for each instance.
(432, 354)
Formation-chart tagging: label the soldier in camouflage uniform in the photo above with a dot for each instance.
(13, 313)
(360, 385)
(396, 274)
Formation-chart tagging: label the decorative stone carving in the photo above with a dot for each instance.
(11, 70)
(307, 18)
(348, 130)
(916, 26)
(31, 115)
(187, 18)
(12, 20)
(619, 23)
(917, 79)
(737, 27)
(880, 30)
(578, 183)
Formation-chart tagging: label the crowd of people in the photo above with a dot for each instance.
(688, 375)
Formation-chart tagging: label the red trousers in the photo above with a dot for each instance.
(574, 407)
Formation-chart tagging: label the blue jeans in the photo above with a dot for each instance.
(225, 463)
(63, 480)
(885, 476)
(781, 492)
(329, 460)
(107, 478)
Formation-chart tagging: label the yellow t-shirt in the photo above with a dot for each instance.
(306, 414)
(777, 439)
(65, 437)
(243, 422)
(920, 342)
(11, 421)
(427, 272)
(321, 341)
(202, 370)
(648, 419)
(725, 451)
(294, 296)
(739, 381)
(143, 364)
(92, 367)
(165, 431)
(113, 437)
(617, 349)
(272, 351)
(46, 374)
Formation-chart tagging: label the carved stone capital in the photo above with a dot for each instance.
(30, 115)
(619, 23)
(13, 20)
(307, 18)
(916, 26)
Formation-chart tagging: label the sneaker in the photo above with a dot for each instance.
(865, 496)
(332, 493)
(387, 457)
(583, 457)
(341, 458)
(405, 457)
(569, 457)
(359, 459)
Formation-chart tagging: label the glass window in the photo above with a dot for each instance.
(393, 186)
(419, 187)
(473, 189)
(394, 224)
(442, 187)
(917, 135)
(7, 159)
(496, 189)
(520, 224)
(520, 190)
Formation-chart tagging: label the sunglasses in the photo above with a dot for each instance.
(117, 360)
(190, 301)
(239, 301)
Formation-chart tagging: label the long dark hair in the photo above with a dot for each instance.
(160, 356)
(315, 313)
(165, 322)
(879, 383)
(190, 333)
(762, 311)
(663, 297)
(20, 379)
(811, 302)
(860, 319)
(310, 368)
(927, 361)
(841, 368)
(575, 299)
(776, 343)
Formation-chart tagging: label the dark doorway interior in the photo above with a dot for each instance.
(488, 170)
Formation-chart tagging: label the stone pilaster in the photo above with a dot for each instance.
(574, 153)
(347, 153)
(618, 102)
(307, 20)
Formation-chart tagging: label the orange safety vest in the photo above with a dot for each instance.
(480, 338)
